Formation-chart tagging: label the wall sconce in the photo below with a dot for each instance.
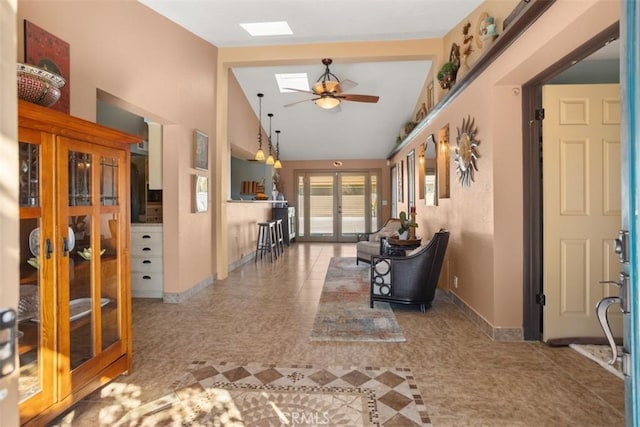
(260, 154)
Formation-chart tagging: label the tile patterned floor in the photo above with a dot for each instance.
(263, 314)
(257, 395)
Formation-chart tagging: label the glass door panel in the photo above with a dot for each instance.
(29, 309)
(336, 206)
(352, 205)
(81, 265)
(321, 205)
(109, 279)
(36, 344)
(79, 178)
(108, 181)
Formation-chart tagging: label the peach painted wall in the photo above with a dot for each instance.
(242, 122)
(485, 219)
(155, 69)
(289, 167)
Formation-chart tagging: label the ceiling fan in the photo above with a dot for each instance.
(328, 90)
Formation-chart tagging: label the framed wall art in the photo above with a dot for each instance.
(200, 150)
(46, 51)
(200, 193)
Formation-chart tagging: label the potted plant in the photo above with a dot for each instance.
(407, 226)
(447, 75)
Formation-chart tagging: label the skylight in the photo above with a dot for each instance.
(292, 80)
(258, 29)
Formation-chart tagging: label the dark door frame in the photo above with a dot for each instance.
(532, 179)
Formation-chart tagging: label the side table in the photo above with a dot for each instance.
(398, 247)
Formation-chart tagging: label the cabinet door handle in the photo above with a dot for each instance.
(146, 249)
(146, 236)
(65, 246)
(145, 277)
(146, 261)
(49, 248)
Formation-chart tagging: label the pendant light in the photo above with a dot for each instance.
(260, 154)
(277, 164)
(270, 159)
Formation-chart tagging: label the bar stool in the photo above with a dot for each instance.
(279, 236)
(266, 240)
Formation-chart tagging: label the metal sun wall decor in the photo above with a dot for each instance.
(467, 151)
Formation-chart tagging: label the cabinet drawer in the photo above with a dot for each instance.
(146, 265)
(146, 250)
(154, 211)
(146, 238)
(146, 282)
(154, 219)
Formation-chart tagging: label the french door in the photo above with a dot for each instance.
(336, 206)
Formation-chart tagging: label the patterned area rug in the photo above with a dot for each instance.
(266, 395)
(601, 354)
(344, 313)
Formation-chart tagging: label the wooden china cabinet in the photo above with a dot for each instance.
(75, 306)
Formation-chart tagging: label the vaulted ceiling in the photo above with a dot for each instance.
(354, 130)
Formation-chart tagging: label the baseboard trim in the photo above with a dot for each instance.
(495, 333)
(245, 259)
(178, 297)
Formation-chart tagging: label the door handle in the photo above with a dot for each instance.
(601, 309)
(48, 248)
(65, 246)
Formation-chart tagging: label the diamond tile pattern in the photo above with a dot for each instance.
(303, 395)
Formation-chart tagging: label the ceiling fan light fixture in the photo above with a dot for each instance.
(327, 102)
(326, 86)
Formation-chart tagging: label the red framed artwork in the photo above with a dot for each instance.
(48, 52)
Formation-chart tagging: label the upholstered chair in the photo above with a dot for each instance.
(410, 279)
(369, 243)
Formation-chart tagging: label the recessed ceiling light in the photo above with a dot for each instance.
(256, 29)
(292, 80)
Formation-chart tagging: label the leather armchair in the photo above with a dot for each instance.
(410, 279)
(369, 244)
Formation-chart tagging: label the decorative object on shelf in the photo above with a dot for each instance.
(430, 97)
(408, 225)
(278, 163)
(200, 193)
(37, 85)
(260, 154)
(490, 32)
(421, 113)
(447, 75)
(481, 29)
(87, 253)
(200, 150)
(34, 262)
(467, 151)
(270, 160)
(49, 53)
(407, 128)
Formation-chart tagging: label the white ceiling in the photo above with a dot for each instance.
(358, 130)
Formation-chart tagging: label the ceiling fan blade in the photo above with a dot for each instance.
(346, 85)
(298, 90)
(358, 98)
(299, 102)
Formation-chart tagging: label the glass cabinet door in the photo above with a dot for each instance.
(36, 317)
(91, 273)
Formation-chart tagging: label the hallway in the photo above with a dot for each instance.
(263, 313)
